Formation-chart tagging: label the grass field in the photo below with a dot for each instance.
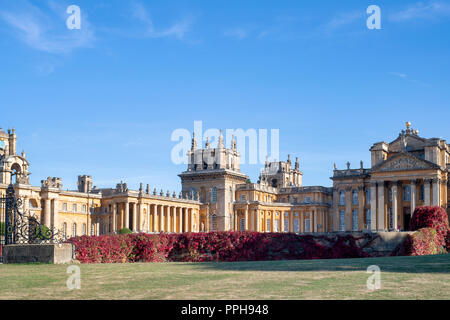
(426, 277)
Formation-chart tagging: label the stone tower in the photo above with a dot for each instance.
(84, 183)
(13, 167)
(211, 177)
(280, 174)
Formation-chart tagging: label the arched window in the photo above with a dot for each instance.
(74, 230)
(64, 230)
(355, 196)
(342, 198)
(355, 220)
(213, 194)
(342, 220)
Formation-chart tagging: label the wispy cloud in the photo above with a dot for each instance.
(398, 74)
(39, 31)
(177, 30)
(237, 33)
(341, 20)
(431, 10)
(407, 78)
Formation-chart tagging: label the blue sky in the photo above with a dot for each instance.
(104, 100)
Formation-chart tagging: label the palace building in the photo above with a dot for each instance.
(408, 172)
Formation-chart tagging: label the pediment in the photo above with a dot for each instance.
(404, 161)
(411, 141)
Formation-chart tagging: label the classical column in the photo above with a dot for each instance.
(134, 208)
(174, 209)
(301, 221)
(314, 212)
(291, 221)
(373, 206)
(169, 219)
(257, 220)
(191, 219)
(180, 221)
(47, 212)
(380, 216)
(155, 217)
(126, 215)
(246, 220)
(426, 183)
(361, 207)
(394, 205)
(114, 217)
(272, 222)
(436, 192)
(413, 195)
(161, 218)
(148, 217)
(55, 213)
(186, 219)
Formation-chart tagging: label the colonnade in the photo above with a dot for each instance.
(150, 217)
(278, 220)
(387, 199)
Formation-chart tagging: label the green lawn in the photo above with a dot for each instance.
(426, 277)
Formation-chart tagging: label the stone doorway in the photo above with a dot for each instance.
(406, 218)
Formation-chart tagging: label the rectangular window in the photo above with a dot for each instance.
(342, 220)
(268, 225)
(242, 224)
(308, 200)
(355, 220)
(368, 219)
(74, 207)
(307, 225)
(286, 222)
(277, 226)
(296, 225)
(84, 207)
(64, 206)
(407, 193)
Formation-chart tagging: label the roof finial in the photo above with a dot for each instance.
(220, 144)
(408, 125)
(194, 142)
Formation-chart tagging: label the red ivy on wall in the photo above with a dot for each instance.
(216, 246)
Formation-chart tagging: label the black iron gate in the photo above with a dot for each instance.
(18, 227)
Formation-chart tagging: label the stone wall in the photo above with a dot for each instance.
(373, 243)
(39, 253)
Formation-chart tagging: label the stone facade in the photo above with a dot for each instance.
(408, 172)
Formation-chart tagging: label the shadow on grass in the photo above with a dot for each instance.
(422, 264)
